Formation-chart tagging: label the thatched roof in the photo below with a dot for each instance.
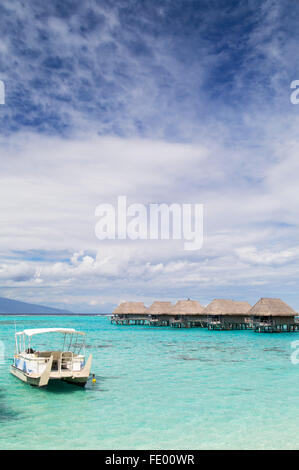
(187, 307)
(272, 307)
(227, 307)
(160, 308)
(130, 307)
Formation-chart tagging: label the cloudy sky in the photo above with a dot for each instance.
(164, 101)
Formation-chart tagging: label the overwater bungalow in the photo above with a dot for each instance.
(273, 316)
(188, 313)
(224, 314)
(267, 315)
(130, 313)
(161, 313)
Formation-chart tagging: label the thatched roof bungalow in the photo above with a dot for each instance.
(131, 310)
(272, 312)
(188, 313)
(228, 313)
(161, 313)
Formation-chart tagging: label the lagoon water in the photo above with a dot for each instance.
(157, 388)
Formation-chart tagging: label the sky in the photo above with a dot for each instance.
(163, 102)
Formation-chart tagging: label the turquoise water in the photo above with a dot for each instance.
(157, 388)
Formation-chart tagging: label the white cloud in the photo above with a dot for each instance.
(49, 189)
(250, 254)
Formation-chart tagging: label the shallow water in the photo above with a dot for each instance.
(157, 388)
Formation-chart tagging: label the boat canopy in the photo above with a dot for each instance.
(38, 331)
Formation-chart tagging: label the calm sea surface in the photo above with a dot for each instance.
(157, 388)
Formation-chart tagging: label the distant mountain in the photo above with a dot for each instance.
(14, 306)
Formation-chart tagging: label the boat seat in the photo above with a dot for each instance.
(66, 358)
(67, 354)
(56, 354)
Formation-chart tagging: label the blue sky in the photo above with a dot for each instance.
(162, 101)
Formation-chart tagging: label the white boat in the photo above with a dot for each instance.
(38, 367)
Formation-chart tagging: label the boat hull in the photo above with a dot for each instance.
(24, 377)
(76, 378)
